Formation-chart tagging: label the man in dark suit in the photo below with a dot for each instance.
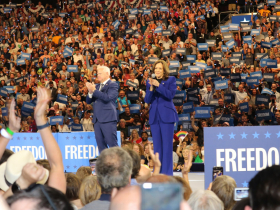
(104, 96)
(53, 91)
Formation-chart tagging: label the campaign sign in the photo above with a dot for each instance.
(243, 77)
(188, 107)
(262, 99)
(133, 95)
(165, 53)
(10, 89)
(173, 71)
(182, 51)
(210, 73)
(201, 65)
(230, 43)
(61, 99)
(152, 60)
(228, 98)
(163, 9)
(4, 111)
(216, 56)
(275, 42)
(224, 29)
(252, 81)
(211, 42)
(134, 108)
(202, 46)
(193, 91)
(56, 119)
(191, 58)
(224, 48)
(131, 84)
(26, 56)
(186, 64)
(233, 27)
(247, 39)
(181, 94)
(166, 33)
(179, 82)
(28, 107)
(202, 112)
(241, 151)
(227, 36)
(255, 32)
(3, 92)
(185, 74)
(220, 85)
(256, 74)
(269, 77)
(193, 98)
(178, 101)
(271, 63)
(235, 77)
(267, 91)
(131, 128)
(244, 107)
(235, 60)
(173, 64)
(72, 68)
(194, 69)
(225, 72)
(20, 62)
(263, 115)
(267, 45)
(183, 117)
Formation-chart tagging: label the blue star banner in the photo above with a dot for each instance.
(76, 148)
(241, 151)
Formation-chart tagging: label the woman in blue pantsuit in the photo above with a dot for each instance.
(162, 116)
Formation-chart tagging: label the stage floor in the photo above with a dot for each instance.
(196, 180)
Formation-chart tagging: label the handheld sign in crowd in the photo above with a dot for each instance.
(202, 112)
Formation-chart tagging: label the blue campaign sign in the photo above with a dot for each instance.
(233, 27)
(256, 74)
(20, 62)
(193, 98)
(194, 69)
(255, 32)
(180, 94)
(216, 56)
(183, 117)
(158, 29)
(191, 58)
(28, 107)
(262, 99)
(269, 77)
(76, 127)
(134, 108)
(235, 60)
(3, 92)
(131, 128)
(225, 72)
(186, 64)
(185, 74)
(4, 111)
(267, 91)
(72, 68)
(45, 61)
(174, 64)
(263, 115)
(243, 77)
(267, 45)
(244, 107)
(252, 81)
(271, 63)
(56, 119)
(61, 99)
(193, 91)
(133, 95)
(202, 112)
(228, 98)
(26, 56)
(10, 89)
(247, 39)
(178, 101)
(230, 43)
(68, 50)
(224, 28)
(241, 151)
(188, 107)
(202, 46)
(220, 85)
(179, 82)
(201, 65)
(210, 73)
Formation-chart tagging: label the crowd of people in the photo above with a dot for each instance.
(60, 47)
(56, 49)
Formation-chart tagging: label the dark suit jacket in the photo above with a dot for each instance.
(54, 94)
(161, 101)
(104, 107)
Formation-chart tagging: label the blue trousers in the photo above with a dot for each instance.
(163, 143)
(106, 135)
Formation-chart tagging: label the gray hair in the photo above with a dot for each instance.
(113, 169)
(205, 200)
(104, 68)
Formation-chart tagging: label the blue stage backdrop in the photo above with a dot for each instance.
(242, 151)
(76, 147)
(245, 18)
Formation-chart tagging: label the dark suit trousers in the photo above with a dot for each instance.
(106, 135)
(163, 143)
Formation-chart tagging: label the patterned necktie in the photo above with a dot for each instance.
(101, 86)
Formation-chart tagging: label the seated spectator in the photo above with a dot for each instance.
(90, 190)
(205, 199)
